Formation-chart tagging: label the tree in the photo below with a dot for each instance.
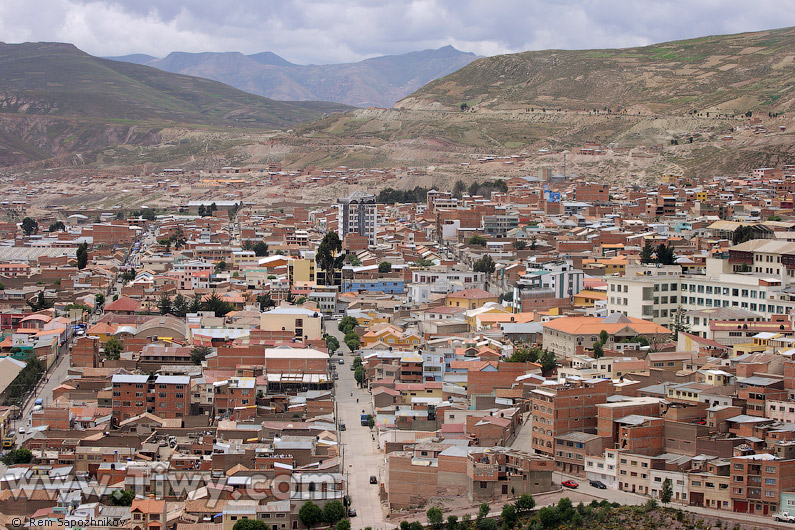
(519, 244)
(164, 304)
(598, 350)
(113, 348)
(328, 256)
(464, 107)
(250, 524)
(332, 344)
(484, 264)
(435, 518)
(343, 525)
(523, 354)
(742, 234)
(604, 336)
(39, 302)
(216, 305)
(310, 514)
(333, 511)
(201, 211)
(220, 266)
(82, 255)
(548, 517)
(415, 525)
(265, 301)
(347, 324)
(477, 240)
(647, 253)
(18, 456)
(357, 361)
(525, 503)
(199, 353)
(195, 305)
(213, 208)
(260, 249)
(58, 226)
(666, 492)
(665, 254)
(384, 267)
(423, 263)
(458, 189)
(487, 524)
(122, 498)
(509, 515)
(179, 307)
(452, 522)
(359, 374)
(679, 323)
(547, 361)
(29, 226)
(483, 510)
(352, 341)
(129, 275)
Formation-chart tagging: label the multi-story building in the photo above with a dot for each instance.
(358, 214)
(569, 407)
(564, 336)
(130, 394)
(500, 224)
(709, 486)
(427, 282)
(757, 481)
(172, 396)
(560, 278)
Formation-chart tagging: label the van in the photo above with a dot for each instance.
(39, 402)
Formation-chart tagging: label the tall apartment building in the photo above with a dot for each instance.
(656, 295)
(568, 407)
(165, 396)
(757, 480)
(546, 285)
(358, 214)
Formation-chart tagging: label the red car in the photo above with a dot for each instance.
(569, 484)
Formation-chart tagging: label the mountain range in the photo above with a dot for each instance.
(374, 82)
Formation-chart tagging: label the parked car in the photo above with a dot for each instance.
(351, 512)
(784, 517)
(569, 484)
(373, 479)
(598, 484)
(342, 426)
(342, 361)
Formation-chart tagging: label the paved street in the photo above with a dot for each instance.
(361, 456)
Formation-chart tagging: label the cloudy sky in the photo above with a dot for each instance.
(331, 31)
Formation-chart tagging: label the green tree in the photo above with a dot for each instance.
(213, 208)
(523, 354)
(310, 514)
(487, 524)
(435, 518)
(129, 275)
(328, 256)
(547, 361)
(678, 323)
(352, 341)
(355, 261)
(525, 503)
(29, 226)
(121, 498)
(18, 456)
(347, 324)
(180, 306)
(415, 525)
(164, 304)
(548, 517)
(202, 210)
(598, 350)
(265, 301)
(216, 305)
(357, 361)
(220, 267)
(250, 524)
(195, 305)
(333, 511)
(519, 244)
(343, 525)
(665, 254)
(483, 510)
(332, 344)
(458, 189)
(742, 234)
(477, 240)
(359, 374)
(666, 492)
(647, 252)
(39, 302)
(99, 300)
(82, 255)
(509, 515)
(424, 263)
(384, 267)
(58, 226)
(113, 348)
(774, 218)
(604, 336)
(452, 522)
(484, 264)
(260, 249)
(199, 353)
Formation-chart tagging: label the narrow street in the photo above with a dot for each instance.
(361, 456)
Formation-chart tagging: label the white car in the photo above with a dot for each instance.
(785, 517)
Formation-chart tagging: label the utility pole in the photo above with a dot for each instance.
(564, 165)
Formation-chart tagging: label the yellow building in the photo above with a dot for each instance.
(301, 272)
(391, 336)
(473, 316)
(589, 298)
(760, 344)
(470, 298)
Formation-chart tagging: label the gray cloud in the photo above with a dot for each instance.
(328, 31)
